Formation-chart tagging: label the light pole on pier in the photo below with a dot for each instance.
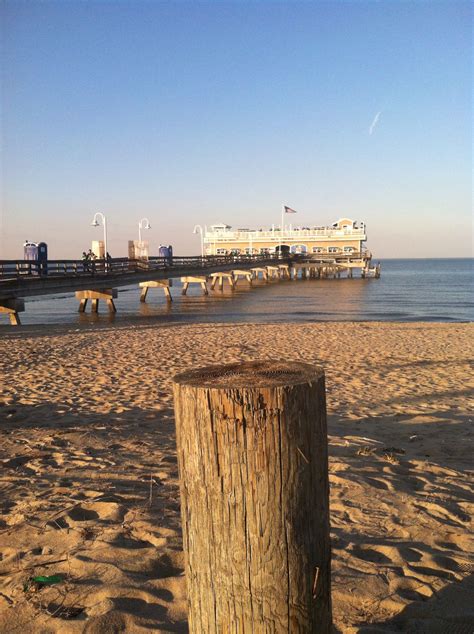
(281, 228)
(141, 226)
(198, 229)
(95, 223)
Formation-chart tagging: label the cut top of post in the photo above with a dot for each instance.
(251, 374)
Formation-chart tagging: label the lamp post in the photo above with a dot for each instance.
(95, 223)
(141, 226)
(198, 229)
(281, 227)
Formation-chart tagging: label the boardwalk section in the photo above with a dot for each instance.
(98, 280)
(25, 279)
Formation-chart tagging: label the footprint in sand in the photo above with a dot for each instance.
(411, 589)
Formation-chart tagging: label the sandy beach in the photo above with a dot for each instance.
(89, 482)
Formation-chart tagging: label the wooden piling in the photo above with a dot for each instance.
(107, 294)
(284, 271)
(164, 284)
(201, 280)
(245, 273)
(260, 269)
(220, 277)
(252, 455)
(12, 307)
(273, 272)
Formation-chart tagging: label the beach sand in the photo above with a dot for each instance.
(89, 476)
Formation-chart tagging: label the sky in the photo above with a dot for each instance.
(205, 112)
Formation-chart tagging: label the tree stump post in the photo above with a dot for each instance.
(252, 456)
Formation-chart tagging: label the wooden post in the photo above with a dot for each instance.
(246, 274)
(107, 294)
(202, 280)
(260, 269)
(252, 455)
(273, 272)
(219, 277)
(111, 306)
(12, 307)
(164, 284)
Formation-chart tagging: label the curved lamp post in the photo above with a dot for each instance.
(96, 223)
(141, 226)
(198, 229)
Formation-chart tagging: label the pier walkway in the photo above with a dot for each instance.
(98, 279)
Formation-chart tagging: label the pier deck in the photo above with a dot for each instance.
(99, 279)
(20, 278)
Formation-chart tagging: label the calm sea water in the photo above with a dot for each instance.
(409, 290)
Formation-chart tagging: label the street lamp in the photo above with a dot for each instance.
(96, 223)
(141, 226)
(198, 229)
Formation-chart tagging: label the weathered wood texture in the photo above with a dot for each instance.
(194, 280)
(164, 284)
(252, 454)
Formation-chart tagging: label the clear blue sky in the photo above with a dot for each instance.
(207, 112)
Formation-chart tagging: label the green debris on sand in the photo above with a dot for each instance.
(36, 583)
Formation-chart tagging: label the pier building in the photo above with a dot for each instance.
(343, 237)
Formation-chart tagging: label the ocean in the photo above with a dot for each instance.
(408, 290)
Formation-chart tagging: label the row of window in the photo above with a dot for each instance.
(297, 248)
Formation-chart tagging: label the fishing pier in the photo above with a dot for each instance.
(99, 280)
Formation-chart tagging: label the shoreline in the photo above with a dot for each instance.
(126, 323)
(88, 422)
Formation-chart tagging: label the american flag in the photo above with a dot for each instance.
(289, 210)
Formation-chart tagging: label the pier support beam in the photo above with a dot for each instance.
(273, 272)
(107, 294)
(164, 284)
(307, 270)
(220, 277)
(12, 307)
(194, 280)
(260, 269)
(246, 274)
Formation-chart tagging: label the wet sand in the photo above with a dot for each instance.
(88, 474)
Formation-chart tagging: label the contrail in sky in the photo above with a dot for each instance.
(374, 122)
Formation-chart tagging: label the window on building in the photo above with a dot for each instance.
(318, 250)
(221, 251)
(333, 249)
(348, 249)
(299, 248)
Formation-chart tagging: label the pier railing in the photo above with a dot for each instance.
(307, 233)
(10, 269)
